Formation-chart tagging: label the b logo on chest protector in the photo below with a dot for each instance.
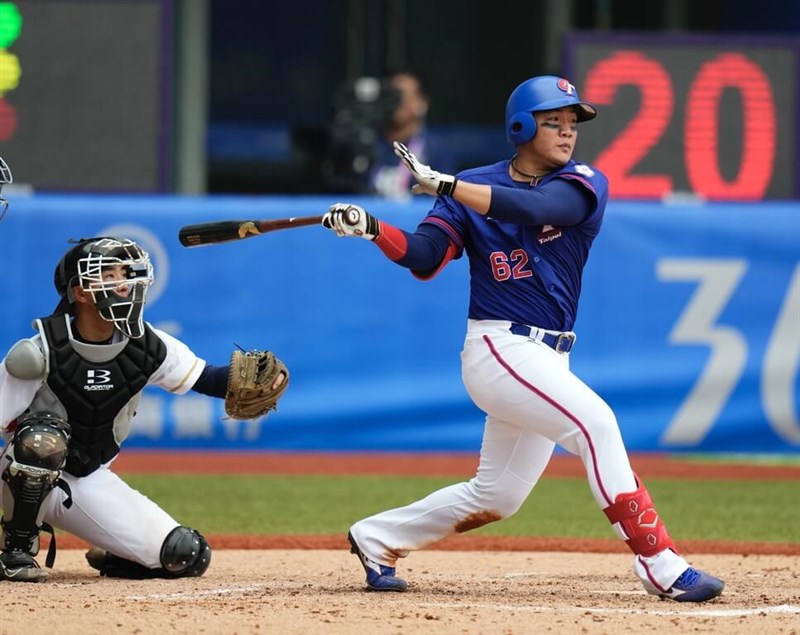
(98, 379)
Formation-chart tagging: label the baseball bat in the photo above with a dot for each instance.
(227, 230)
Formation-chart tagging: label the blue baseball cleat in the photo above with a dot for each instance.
(379, 577)
(693, 585)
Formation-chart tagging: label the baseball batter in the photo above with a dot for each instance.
(526, 225)
(67, 399)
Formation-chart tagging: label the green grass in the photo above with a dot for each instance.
(790, 460)
(267, 504)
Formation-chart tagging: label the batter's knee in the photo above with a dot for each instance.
(185, 553)
(502, 498)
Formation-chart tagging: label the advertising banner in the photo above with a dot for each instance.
(689, 325)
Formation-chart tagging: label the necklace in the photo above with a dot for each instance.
(533, 177)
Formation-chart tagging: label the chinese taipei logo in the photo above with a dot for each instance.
(98, 379)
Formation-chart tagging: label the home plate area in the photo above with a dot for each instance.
(290, 591)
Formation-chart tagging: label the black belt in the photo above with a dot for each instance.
(560, 343)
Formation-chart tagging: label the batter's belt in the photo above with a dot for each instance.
(559, 342)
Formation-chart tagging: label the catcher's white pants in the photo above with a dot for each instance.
(107, 513)
(532, 402)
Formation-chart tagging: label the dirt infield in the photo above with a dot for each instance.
(302, 592)
(464, 585)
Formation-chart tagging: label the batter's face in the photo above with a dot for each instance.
(556, 134)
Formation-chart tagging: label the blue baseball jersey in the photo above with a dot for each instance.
(524, 273)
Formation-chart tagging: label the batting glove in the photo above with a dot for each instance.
(428, 181)
(351, 220)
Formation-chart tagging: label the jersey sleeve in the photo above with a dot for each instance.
(557, 203)
(181, 367)
(590, 179)
(448, 215)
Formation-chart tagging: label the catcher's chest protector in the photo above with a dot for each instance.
(94, 393)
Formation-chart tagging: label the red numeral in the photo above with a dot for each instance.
(521, 259)
(500, 266)
(626, 68)
(730, 70)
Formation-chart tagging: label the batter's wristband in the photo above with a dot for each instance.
(446, 188)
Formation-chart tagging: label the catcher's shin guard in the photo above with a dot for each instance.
(35, 460)
(184, 553)
(635, 512)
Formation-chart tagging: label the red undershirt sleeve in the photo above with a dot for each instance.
(424, 252)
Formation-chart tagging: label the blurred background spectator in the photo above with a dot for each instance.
(369, 115)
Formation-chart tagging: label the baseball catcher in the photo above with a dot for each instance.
(68, 396)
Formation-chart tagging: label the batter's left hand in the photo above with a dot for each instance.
(351, 220)
(429, 181)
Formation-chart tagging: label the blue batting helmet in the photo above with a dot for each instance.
(546, 92)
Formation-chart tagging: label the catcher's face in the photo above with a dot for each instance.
(117, 274)
(115, 279)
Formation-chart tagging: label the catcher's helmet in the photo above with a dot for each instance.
(84, 265)
(546, 92)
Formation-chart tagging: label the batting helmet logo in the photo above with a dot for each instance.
(565, 86)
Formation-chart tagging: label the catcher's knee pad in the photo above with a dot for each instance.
(635, 512)
(37, 455)
(185, 553)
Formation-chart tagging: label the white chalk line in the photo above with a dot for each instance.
(196, 595)
(778, 609)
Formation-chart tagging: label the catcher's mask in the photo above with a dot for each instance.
(5, 178)
(116, 271)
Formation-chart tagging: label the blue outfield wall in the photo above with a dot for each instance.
(689, 325)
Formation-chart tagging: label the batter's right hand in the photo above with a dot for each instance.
(351, 220)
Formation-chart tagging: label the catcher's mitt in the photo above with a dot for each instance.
(250, 393)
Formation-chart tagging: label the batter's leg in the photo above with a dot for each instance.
(529, 382)
(512, 460)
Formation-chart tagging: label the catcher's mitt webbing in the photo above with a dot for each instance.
(252, 374)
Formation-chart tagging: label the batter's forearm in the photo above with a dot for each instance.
(418, 251)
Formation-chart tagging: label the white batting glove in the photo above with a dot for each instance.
(351, 220)
(428, 181)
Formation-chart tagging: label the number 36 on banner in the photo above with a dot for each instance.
(700, 324)
(712, 116)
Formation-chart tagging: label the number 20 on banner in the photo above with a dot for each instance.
(714, 117)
